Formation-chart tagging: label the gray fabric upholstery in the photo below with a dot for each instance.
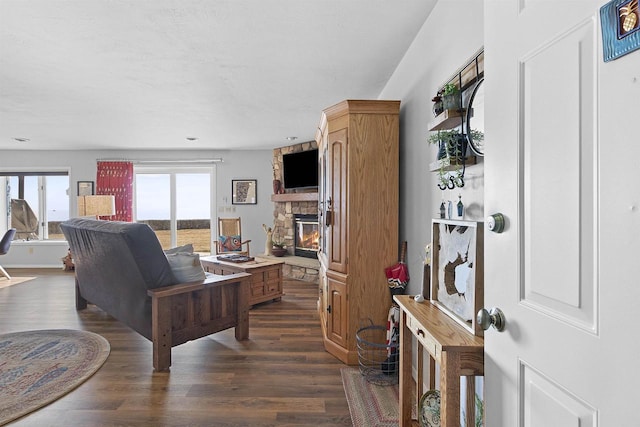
(5, 243)
(115, 264)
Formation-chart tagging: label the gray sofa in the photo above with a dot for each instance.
(121, 268)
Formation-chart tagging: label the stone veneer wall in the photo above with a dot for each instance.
(284, 212)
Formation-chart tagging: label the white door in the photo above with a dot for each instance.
(563, 166)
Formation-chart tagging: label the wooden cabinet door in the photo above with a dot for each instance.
(323, 193)
(337, 312)
(323, 291)
(336, 220)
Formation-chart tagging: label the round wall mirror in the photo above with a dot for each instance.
(475, 119)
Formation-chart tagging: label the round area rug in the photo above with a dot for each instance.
(38, 367)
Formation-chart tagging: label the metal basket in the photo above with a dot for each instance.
(378, 361)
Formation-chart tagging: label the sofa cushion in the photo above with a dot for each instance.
(188, 248)
(186, 267)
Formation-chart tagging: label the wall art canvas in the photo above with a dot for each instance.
(458, 270)
(244, 191)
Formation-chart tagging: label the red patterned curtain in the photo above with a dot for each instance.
(117, 178)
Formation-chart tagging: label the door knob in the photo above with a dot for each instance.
(495, 223)
(493, 317)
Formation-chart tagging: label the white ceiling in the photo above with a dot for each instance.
(147, 74)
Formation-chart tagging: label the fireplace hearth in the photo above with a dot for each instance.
(306, 235)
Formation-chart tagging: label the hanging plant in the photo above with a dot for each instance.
(452, 146)
(451, 143)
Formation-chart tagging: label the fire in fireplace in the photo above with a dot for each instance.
(307, 235)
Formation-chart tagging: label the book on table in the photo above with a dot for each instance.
(235, 258)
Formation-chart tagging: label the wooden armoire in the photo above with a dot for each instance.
(358, 143)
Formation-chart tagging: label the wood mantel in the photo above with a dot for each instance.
(295, 197)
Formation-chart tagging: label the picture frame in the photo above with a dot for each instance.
(620, 25)
(244, 191)
(457, 270)
(85, 188)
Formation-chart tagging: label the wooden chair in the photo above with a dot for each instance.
(5, 244)
(230, 237)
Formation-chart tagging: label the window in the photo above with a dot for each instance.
(177, 204)
(36, 203)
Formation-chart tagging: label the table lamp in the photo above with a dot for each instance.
(102, 205)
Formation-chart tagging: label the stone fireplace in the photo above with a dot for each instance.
(287, 206)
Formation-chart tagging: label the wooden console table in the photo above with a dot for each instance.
(457, 351)
(266, 276)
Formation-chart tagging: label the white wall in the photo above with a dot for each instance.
(254, 164)
(450, 37)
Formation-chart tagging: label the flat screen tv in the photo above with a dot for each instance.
(300, 170)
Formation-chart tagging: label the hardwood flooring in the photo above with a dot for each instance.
(281, 376)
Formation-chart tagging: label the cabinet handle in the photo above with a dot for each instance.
(327, 220)
(328, 309)
(419, 332)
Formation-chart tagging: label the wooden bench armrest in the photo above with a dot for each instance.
(216, 280)
(197, 315)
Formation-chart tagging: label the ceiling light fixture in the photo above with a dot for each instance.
(22, 139)
(191, 138)
(292, 138)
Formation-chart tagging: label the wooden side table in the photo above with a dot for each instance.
(266, 276)
(456, 350)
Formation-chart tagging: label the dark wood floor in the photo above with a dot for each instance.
(281, 376)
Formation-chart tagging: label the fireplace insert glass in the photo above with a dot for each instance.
(306, 235)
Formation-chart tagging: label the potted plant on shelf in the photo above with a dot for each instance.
(452, 151)
(451, 143)
(278, 248)
(451, 99)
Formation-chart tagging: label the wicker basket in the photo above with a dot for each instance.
(378, 360)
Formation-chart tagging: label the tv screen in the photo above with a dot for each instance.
(300, 169)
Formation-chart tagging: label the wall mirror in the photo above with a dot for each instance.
(475, 119)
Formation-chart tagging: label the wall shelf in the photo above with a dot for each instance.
(295, 197)
(450, 164)
(448, 119)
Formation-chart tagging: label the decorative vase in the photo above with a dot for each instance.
(277, 186)
(276, 251)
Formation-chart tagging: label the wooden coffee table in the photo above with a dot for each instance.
(266, 276)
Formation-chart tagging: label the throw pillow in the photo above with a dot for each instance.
(186, 267)
(188, 248)
(230, 243)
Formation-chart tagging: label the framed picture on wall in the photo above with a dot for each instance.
(457, 270)
(244, 191)
(85, 188)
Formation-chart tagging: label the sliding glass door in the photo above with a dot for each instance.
(177, 204)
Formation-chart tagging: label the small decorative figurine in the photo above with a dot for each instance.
(460, 207)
